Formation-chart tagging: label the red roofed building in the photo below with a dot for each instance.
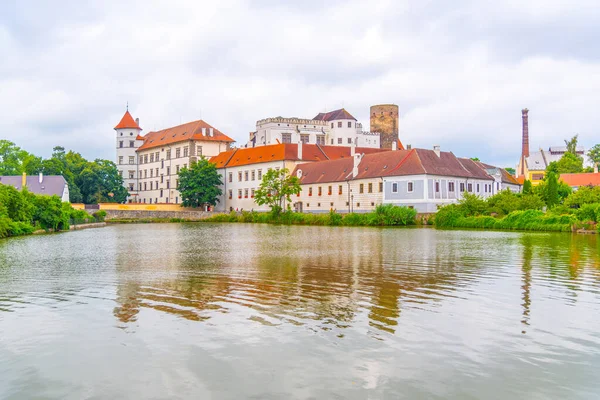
(583, 179)
(150, 164)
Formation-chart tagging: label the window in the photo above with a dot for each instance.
(169, 154)
(168, 184)
(304, 138)
(199, 151)
(308, 204)
(437, 187)
(321, 140)
(239, 193)
(151, 173)
(177, 152)
(120, 173)
(395, 187)
(176, 200)
(357, 205)
(177, 170)
(145, 186)
(252, 193)
(410, 187)
(168, 171)
(462, 187)
(286, 138)
(150, 185)
(349, 140)
(230, 194)
(131, 143)
(470, 187)
(332, 125)
(246, 175)
(329, 190)
(380, 187)
(162, 179)
(131, 187)
(253, 175)
(145, 173)
(318, 204)
(121, 144)
(230, 175)
(239, 176)
(340, 189)
(146, 159)
(339, 140)
(370, 188)
(319, 190)
(157, 156)
(537, 177)
(152, 157)
(120, 159)
(259, 174)
(131, 174)
(245, 193)
(156, 171)
(310, 191)
(184, 165)
(140, 187)
(185, 151)
(161, 193)
(141, 160)
(478, 188)
(339, 124)
(176, 183)
(162, 164)
(361, 188)
(451, 186)
(331, 141)
(349, 124)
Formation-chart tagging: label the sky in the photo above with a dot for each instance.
(460, 71)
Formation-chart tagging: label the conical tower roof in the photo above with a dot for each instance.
(127, 122)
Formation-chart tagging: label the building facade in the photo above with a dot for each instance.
(334, 128)
(150, 164)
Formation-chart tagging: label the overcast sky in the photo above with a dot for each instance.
(460, 71)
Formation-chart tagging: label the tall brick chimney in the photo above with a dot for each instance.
(525, 148)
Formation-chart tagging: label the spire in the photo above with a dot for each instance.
(127, 121)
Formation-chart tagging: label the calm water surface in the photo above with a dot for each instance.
(233, 311)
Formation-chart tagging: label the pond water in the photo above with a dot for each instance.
(232, 311)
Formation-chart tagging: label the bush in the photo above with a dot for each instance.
(589, 212)
(99, 215)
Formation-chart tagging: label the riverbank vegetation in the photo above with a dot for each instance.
(22, 213)
(383, 215)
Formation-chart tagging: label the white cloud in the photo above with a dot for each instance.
(460, 72)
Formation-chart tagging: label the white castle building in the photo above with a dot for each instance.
(334, 128)
(150, 164)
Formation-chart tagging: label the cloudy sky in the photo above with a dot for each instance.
(461, 71)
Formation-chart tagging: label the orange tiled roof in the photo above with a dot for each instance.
(127, 122)
(190, 131)
(583, 179)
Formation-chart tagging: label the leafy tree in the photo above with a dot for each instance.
(572, 145)
(275, 188)
(15, 161)
(568, 163)
(472, 204)
(594, 154)
(475, 159)
(527, 189)
(199, 184)
(583, 195)
(511, 171)
(551, 189)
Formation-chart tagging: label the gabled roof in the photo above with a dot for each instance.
(127, 122)
(474, 169)
(582, 179)
(326, 171)
(334, 115)
(287, 152)
(190, 131)
(506, 176)
(51, 184)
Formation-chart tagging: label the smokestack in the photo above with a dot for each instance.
(299, 150)
(23, 180)
(41, 178)
(137, 121)
(352, 150)
(525, 149)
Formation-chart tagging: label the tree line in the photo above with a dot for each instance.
(89, 182)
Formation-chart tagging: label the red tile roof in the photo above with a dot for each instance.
(583, 179)
(475, 170)
(127, 122)
(334, 115)
(190, 131)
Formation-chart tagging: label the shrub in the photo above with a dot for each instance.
(99, 215)
(589, 212)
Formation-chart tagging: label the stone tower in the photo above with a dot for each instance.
(128, 140)
(384, 119)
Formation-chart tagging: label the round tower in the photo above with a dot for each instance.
(128, 140)
(384, 119)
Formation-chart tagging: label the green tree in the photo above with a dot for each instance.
(527, 189)
(475, 159)
(275, 188)
(15, 161)
(199, 184)
(572, 145)
(511, 171)
(569, 163)
(594, 154)
(551, 189)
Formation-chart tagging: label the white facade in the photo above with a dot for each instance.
(127, 142)
(343, 132)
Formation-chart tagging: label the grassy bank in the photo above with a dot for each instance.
(384, 215)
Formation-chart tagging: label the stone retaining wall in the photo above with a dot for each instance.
(146, 214)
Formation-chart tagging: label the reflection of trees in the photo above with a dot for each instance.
(526, 277)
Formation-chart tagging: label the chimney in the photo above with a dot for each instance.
(41, 178)
(137, 121)
(203, 131)
(352, 150)
(595, 168)
(525, 149)
(436, 148)
(394, 145)
(210, 132)
(23, 180)
(357, 159)
(300, 150)
(409, 147)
